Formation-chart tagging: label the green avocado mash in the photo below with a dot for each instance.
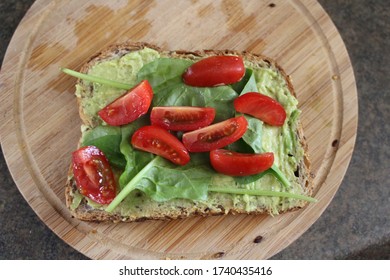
(155, 181)
(122, 69)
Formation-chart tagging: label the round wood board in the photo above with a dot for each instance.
(40, 126)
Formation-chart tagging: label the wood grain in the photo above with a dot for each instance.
(40, 123)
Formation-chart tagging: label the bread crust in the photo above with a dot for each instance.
(85, 212)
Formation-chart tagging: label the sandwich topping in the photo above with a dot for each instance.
(128, 107)
(215, 129)
(93, 174)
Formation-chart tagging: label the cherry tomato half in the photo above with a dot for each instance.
(93, 174)
(216, 135)
(262, 107)
(238, 164)
(215, 71)
(182, 118)
(159, 141)
(128, 107)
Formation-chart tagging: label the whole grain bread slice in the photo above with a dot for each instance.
(145, 208)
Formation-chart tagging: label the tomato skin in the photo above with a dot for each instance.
(239, 164)
(215, 71)
(262, 107)
(93, 175)
(159, 141)
(182, 118)
(130, 106)
(216, 135)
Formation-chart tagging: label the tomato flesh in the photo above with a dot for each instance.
(240, 164)
(159, 141)
(93, 175)
(130, 106)
(215, 71)
(216, 135)
(262, 107)
(182, 118)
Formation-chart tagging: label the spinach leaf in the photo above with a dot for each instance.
(163, 71)
(165, 76)
(114, 142)
(107, 139)
(252, 136)
(240, 146)
(135, 159)
(251, 143)
(251, 140)
(162, 180)
(253, 133)
(252, 178)
(247, 83)
(165, 181)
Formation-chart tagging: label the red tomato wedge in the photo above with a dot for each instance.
(93, 174)
(238, 164)
(215, 71)
(182, 118)
(262, 107)
(159, 141)
(130, 106)
(216, 135)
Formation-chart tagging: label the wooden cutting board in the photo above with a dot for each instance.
(40, 123)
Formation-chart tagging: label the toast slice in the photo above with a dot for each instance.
(138, 206)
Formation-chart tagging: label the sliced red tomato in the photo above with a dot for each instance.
(239, 164)
(262, 107)
(216, 135)
(130, 106)
(182, 118)
(215, 71)
(159, 141)
(93, 174)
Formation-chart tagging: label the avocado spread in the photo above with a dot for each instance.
(282, 141)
